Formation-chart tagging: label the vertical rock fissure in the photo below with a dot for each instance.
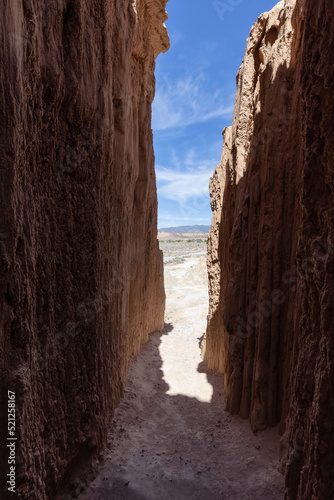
(81, 270)
(269, 331)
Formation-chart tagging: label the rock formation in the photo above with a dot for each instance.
(81, 271)
(271, 245)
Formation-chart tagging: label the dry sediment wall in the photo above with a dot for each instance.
(81, 271)
(271, 245)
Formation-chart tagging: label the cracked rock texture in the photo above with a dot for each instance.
(81, 283)
(271, 245)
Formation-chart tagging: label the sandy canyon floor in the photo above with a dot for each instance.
(171, 438)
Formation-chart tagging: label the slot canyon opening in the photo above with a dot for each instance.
(171, 436)
(165, 287)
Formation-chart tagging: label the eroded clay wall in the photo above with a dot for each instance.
(270, 253)
(81, 283)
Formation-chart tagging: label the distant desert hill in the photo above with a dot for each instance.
(185, 229)
(179, 237)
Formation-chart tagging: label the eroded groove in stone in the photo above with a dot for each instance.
(271, 256)
(81, 270)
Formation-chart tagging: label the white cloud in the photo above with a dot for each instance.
(183, 191)
(181, 186)
(188, 101)
(173, 220)
(185, 179)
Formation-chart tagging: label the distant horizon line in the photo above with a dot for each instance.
(199, 227)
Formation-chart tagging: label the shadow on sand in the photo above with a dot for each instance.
(175, 447)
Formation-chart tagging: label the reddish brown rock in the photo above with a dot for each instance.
(310, 426)
(271, 246)
(81, 271)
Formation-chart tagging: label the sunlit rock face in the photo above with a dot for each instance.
(81, 270)
(271, 245)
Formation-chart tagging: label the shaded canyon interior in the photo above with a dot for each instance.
(81, 270)
(271, 245)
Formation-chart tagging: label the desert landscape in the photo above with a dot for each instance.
(177, 247)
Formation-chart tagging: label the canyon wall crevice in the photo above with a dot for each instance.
(81, 271)
(271, 247)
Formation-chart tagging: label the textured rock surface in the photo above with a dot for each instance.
(249, 208)
(271, 245)
(81, 271)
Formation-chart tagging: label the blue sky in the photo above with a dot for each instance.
(195, 90)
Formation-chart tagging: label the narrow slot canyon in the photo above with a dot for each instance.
(171, 437)
(137, 363)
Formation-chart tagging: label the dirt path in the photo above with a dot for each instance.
(172, 438)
